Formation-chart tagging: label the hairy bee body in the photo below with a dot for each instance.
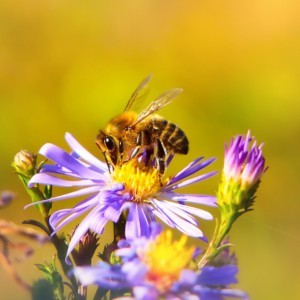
(130, 134)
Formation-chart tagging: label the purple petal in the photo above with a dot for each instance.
(138, 221)
(84, 154)
(113, 211)
(125, 251)
(61, 157)
(94, 221)
(218, 294)
(145, 293)
(216, 276)
(192, 168)
(105, 275)
(68, 215)
(43, 178)
(179, 211)
(188, 277)
(193, 198)
(203, 214)
(208, 293)
(188, 182)
(234, 294)
(88, 275)
(109, 197)
(72, 213)
(186, 170)
(80, 231)
(162, 216)
(81, 192)
(156, 228)
(135, 271)
(62, 217)
(97, 221)
(184, 226)
(58, 169)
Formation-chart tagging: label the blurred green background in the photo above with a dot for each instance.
(72, 65)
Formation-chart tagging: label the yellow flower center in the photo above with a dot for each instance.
(141, 182)
(166, 259)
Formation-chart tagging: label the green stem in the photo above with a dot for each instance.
(61, 248)
(36, 195)
(222, 229)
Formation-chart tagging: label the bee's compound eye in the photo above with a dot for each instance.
(109, 143)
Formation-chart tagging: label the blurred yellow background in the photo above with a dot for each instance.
(72, 65)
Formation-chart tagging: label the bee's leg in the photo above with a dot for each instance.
(135, 152)
(160, 157)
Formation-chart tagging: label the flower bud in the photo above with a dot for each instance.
(25, 162)
(25, 165)
(85, 249)
(243, 167)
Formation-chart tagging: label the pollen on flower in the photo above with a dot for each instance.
(141, 182)
(166, 259)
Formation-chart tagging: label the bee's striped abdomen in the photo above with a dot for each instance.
(171, 136)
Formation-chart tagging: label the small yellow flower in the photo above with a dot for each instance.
(166, 259)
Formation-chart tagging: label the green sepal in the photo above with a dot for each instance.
(233, 197)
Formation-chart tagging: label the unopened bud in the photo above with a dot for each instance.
(85, 249)
(25, 162)
(244, 166)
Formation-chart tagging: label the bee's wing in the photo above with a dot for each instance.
(139, 94)
(161, 101)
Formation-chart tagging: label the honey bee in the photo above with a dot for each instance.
(130, 134)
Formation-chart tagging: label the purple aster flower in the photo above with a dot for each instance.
(244, 165)
(243, 162)
(159, 267)
(141, 193)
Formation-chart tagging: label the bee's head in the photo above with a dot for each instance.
(111, 148)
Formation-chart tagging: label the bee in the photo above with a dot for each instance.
(147, 134)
